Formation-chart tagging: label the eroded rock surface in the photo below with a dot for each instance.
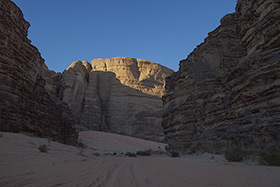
(121, 95)
(25, 105)
(227, 92)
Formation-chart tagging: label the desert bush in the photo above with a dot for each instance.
(82, 145)
(144, 153)
(43, 148)
(130, 154)
(1, 135)
(175, 154)
(158, 153)
(235, 155)
(50, 139)
(270, 158)
(96, 154)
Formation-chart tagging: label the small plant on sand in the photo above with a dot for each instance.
(130, 154)
(235, 155)
(50, 139)
(43, 148)
(96, 154)
(270, 158)
(82, 145)
(82, 148)
(144, 153)
(158, 153)
(175, 154)
(1, 135)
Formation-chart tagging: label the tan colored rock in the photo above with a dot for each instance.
(25, 104)
(73, 85)
(143, 75)
(91, 115)
(226, 93)
(121, 95)
(51, 82)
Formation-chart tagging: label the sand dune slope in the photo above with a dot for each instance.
(22, 164)
(109, 142)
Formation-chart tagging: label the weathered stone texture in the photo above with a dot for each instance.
(24, 103)
(227, 92)
(121, 95)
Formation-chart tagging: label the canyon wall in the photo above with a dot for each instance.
(25, 105)
(120, 95)
(226, 94)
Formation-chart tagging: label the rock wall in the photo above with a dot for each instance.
(25, 105)
(226, 94)
(121, 95)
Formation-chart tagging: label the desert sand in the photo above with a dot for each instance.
(22, 164)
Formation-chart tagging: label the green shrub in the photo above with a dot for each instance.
(44, 148)
(175, 154)
(235, 155)
(130, 154)
(270, 158)
(144, 153)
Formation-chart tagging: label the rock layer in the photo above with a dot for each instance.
(226, 94)
(121, 95)
(25, 105)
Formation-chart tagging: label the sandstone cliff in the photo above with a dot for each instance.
(121, 95)
(24, 103)
(227, 92)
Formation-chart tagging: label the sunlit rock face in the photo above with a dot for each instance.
(227, 92)
(121, 95)
(25, 105)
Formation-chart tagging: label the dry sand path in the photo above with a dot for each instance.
(21, 164)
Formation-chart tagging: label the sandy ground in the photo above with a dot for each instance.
(114, 143)
(22, 164)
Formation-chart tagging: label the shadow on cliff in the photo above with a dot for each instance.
(108, 105)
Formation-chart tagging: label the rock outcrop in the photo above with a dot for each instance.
(25, 105)
(226, 94)
(120, 95)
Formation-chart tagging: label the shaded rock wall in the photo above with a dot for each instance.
(25, 105)
(121, 95)
(226, 94)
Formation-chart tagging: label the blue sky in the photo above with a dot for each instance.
(163, 31)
